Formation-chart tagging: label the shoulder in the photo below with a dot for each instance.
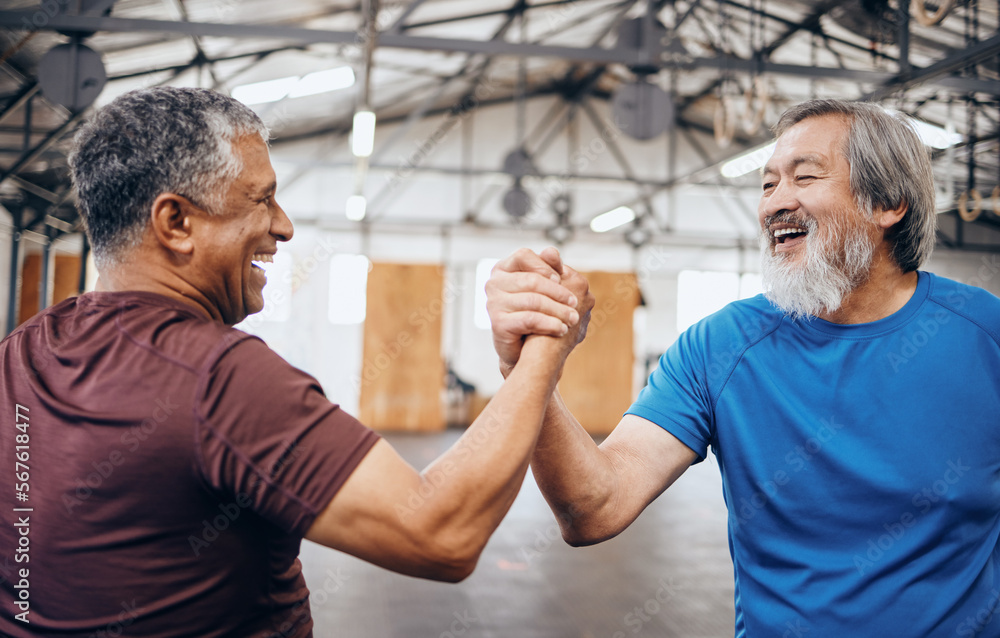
(161, 327)
(975, 304)
(711, 348)
(739, 324)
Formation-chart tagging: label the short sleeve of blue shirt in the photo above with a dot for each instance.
(676, 398)
(680, 393)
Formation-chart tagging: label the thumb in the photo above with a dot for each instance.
(552, 257)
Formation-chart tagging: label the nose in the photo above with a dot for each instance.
(780, 199)
(281, 225)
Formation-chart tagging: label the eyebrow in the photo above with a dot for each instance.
(795, 162)
(270, 189)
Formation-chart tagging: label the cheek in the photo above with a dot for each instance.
(761, 216)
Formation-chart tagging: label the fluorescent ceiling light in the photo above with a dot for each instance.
(355, 209)
(324, 82)
(264, 92)
(294, 86)
(747, 162)
(935, 136)
(930, 135)
(612, 219)
(363, 134)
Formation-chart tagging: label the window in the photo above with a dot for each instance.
(277, 295)
(278, 291)
(751, 285)
(483, 269)
(348, 289)
(700, 293)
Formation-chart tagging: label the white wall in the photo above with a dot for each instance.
(975, 269)
(333, 353)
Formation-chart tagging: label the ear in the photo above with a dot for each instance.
(886, 218)
(171, 222)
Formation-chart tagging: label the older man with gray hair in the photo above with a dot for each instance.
(172, 464)
(854, 407)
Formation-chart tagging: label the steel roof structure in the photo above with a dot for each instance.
(697, 81)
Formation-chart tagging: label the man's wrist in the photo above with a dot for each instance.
(506, 368)
(543, 352)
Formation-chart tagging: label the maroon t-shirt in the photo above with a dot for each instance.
(159, 472)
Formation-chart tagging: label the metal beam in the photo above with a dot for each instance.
(903, 11)
(458, 171)
(499, 47)
(201, 55)
(424, 226)
(398, 26)
(44, 290)
(36, 190)
(177, 68)
(485, 14)
(19, 100)
(616, 152)
(973, 55)
(53, 137)
(460, 107)
(15, 275)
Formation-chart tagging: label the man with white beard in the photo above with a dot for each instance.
(853, 408)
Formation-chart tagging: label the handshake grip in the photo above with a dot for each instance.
(535, 294)
(580, 288)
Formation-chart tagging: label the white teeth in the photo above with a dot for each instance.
(781, 232)
(261, 257)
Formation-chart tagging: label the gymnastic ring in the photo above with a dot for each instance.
(754, 117)
(963, 201)
(724, 123)
(930, 19)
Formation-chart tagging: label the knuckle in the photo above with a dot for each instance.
(526, 281)
(524, 253)
(533, 303)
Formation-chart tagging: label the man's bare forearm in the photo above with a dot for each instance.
(576, 477)
(473, 484)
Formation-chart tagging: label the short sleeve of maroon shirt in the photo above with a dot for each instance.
(266, 434)
(175, 465)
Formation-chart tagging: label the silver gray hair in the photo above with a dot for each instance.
(149, 142)
(889, 167)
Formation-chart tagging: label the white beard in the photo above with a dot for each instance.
(835, 263)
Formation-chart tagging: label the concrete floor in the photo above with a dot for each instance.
(668, 575)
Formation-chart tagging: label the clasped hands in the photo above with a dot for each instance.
(536, 294)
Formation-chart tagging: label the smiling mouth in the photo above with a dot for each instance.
(259, 259)
(785, 234)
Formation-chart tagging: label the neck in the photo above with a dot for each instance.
(136, 273)
(885, 291)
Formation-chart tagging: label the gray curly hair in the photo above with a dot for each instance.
(149, 142)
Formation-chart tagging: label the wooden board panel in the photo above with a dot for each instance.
(402, 373)
(597, 379)
(65, 282)
(31, 275)
(67, 278)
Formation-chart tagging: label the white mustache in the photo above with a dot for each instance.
(836, 261)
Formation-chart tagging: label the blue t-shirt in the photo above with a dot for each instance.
(860, 463)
